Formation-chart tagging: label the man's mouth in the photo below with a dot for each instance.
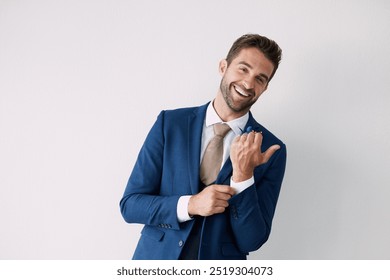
(241, 91)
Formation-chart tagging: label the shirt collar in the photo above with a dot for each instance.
(237, 125)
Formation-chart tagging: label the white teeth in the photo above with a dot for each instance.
(241, 91)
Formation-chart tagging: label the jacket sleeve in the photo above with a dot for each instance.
(142, 201)
(252, 211)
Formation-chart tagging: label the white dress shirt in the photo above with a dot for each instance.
(237, 126)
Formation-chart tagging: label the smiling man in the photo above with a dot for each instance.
(207, 179)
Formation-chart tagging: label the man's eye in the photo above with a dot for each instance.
(261, 81)
(243, 69)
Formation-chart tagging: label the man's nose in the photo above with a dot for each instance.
(249, 84)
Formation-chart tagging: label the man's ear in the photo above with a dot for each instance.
(222, 66)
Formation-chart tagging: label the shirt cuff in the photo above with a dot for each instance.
(182, 209)
(241, 186)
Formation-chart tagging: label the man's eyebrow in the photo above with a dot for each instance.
(246, 64)
(250, 67)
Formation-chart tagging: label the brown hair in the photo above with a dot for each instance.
(268, 47)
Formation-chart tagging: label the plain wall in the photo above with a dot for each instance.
(81, 83)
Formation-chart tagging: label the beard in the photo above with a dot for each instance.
(237, 106)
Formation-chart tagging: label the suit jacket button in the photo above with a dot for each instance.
(181, 243)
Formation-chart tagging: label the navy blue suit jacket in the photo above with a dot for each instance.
(168, 167)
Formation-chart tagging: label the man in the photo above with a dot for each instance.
(189, 210)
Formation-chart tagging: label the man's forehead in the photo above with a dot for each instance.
(250, 54)
(254, 59)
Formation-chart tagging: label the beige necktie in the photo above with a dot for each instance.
(212, 158)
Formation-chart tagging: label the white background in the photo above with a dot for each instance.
(81, 83)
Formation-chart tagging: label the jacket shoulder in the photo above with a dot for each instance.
(181, 112)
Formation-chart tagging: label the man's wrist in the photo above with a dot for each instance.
(240, 177)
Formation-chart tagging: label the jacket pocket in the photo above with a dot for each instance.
(153, 233)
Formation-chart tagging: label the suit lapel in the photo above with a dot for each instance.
(194, 136)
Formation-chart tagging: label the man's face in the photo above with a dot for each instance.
(245, 79)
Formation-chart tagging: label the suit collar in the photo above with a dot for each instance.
(252, 124)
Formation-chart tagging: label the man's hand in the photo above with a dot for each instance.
(211, 200)
(245, 155)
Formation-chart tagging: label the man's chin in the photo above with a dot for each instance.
(237, 106)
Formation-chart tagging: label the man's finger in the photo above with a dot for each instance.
(269, 152)
(258, 139)
(221, 196)
(236, 139)
(221, 203)
(251, 137)
(225, 189)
